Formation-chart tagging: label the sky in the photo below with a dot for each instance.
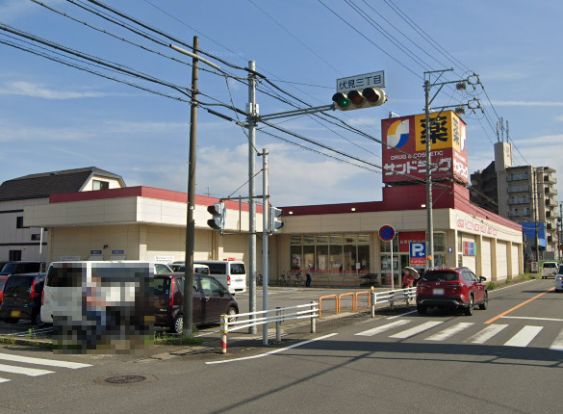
(55, 117)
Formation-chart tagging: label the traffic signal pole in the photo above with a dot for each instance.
(265, 241)
(429, 218)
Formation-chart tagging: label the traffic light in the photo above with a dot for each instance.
(358, 99)
(218, 212)
(276, 222)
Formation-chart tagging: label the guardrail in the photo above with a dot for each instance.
(392, 296)
(231, 323)
(329, 297)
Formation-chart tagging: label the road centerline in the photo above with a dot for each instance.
(515, 308)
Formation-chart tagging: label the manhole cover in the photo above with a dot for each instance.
(125, 379)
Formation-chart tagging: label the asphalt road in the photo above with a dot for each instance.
(506, 359)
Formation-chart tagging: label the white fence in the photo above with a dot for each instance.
(390, 297)
(231, 323)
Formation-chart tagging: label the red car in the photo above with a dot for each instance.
(451, 288)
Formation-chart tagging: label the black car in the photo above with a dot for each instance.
(12, 268)
(22, 298)
(210, 300)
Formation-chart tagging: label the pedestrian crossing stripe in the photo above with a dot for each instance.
(30, 372)
(34, 372)
(521, 339)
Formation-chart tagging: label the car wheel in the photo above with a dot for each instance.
(178, 324)
(421, 309)
(232, 313)
(469, 309)
(485, 303)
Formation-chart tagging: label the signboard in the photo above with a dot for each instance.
(406, 237)
(417, 253)
(404, 148)
(366, 80)
(386, 232)
(468, 248)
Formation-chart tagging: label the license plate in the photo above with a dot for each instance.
(438, 291)
(15, 314)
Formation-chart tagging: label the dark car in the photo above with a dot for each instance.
(451, 288)
(3, 279)
(22, 298)
(12, 268)
(210, 300)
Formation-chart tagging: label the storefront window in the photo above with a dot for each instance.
(295, 241)
(322, 258)
(308, 239)
(439, 242)
(296, 260)
(349, 258)
(308, 257)
(335, 254)
(384, 245)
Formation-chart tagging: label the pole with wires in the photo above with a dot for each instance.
(252, 115)
(430, 221)
(190, 227)
(265, 241)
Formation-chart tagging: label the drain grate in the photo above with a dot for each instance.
(125, 379)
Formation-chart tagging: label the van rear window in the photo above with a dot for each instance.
(109, 273)
(18, 283)
(237, 269)
(67, 276)
(217, 268)
(550, 265)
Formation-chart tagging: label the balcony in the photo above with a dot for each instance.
(550, 178)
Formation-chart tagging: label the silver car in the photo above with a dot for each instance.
(559, 279)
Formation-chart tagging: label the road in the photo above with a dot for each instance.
(506, 359)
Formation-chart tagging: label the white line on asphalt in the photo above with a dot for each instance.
(511, 286)
(532, 318)
(402, 314)
(557, 345)
(524, 336)
(487, 333)
(3, 380)
(42, 361)
(416, 330)
(275, 351)
(383, 328)
(30, 372)
(449, 332)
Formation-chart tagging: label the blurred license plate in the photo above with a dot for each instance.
(438, 291)
(15, 314)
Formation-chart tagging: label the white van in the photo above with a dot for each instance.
(231, 273)
(181, 267)
(65, 286)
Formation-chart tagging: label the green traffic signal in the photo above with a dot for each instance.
(341, 100)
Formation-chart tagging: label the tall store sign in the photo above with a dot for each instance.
(404, 148)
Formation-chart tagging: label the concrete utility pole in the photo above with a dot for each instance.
(190, 228)
(559, 249)
(252, 114)
(429, 218)
(265, 241)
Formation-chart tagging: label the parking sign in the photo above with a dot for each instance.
(417, 253)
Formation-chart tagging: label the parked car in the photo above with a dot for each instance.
(22, 298)
(559, 279)
(549, 269)
(12, 268)
(451, 288)
(231, 273)
(210, 300)
(162, 269)
(181, 266)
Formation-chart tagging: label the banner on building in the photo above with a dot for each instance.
(404, 148)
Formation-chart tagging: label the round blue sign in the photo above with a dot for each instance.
(386, 232)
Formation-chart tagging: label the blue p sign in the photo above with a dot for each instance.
(417, 249)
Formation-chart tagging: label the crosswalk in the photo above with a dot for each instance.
(32, 367)
(406, 329)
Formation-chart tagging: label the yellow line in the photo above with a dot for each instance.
(509, 311)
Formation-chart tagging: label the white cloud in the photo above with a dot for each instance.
(145, 127)
(527, 103)
(33, 90)
(9, 133)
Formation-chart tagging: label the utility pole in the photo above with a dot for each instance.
(252, 115)
(265, 241)
(190, 227)
(560, 222)
(429, 219)
(535, 196)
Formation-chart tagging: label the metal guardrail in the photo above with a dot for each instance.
(392, 296)
(231, 323)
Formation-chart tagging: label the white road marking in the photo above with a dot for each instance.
(383, 328)
(42, 361)
(487, 333)
(557, 345)
(30, 372)
(532, 318)
(511, 286)
(524, 336)
(275, 351)
(449, 332)
(3, 380)
(401, 315)
(416, 330)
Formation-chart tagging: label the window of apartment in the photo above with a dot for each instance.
(19, 222)
(35, 237)
(100, 185)
(15, 255)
